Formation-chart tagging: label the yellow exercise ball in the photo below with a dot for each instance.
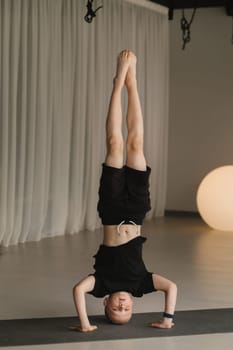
(215, 198)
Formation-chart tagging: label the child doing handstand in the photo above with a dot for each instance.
(120, 273)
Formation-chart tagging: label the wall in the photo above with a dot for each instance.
(201, 104)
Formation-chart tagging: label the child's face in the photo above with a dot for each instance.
(119, 307)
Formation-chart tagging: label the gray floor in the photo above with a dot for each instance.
(37, 278)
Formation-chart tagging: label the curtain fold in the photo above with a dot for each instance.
(56, 75)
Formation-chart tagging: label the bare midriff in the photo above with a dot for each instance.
(115, 235)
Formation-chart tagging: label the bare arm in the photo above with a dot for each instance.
(79, 292)
(170, 292)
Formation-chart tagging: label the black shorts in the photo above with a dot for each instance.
(123, 195)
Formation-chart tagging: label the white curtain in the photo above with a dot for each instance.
(56, 75)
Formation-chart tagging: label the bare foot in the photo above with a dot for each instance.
(131, 74)
(163, 324)
(123, 62)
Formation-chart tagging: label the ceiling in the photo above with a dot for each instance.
(184, 4)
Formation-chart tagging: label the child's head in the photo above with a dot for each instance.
(119, 307)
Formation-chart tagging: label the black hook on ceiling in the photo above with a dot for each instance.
(90, 12)
(186, 27)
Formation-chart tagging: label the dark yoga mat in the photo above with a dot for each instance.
(55, 330)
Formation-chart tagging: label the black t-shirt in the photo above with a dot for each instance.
(121, 268)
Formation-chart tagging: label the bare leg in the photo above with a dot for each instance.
(114, 136)
(170, 290)
(134, 147)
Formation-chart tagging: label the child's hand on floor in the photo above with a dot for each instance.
(164, 324)
(81, 329)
